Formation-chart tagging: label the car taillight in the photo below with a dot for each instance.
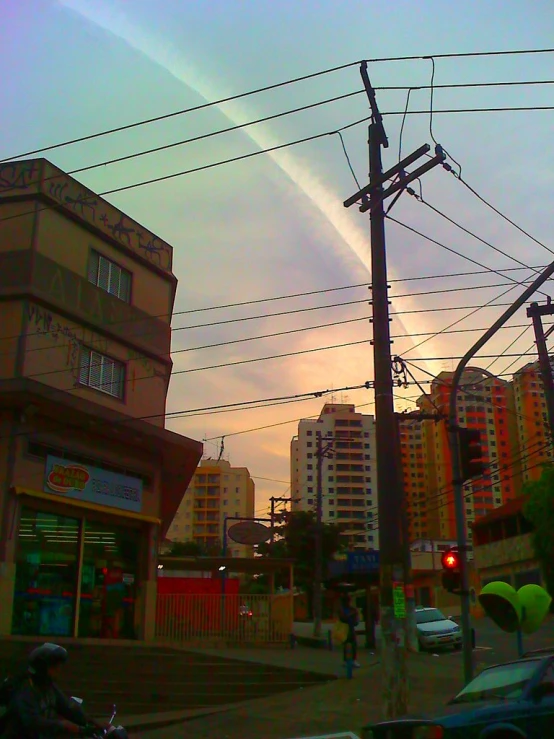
(431, 731)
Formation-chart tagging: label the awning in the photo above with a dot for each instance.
(84, 504)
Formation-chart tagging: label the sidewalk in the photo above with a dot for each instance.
(339, 705)
(321, 661)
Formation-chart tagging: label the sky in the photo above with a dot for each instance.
(274, 224)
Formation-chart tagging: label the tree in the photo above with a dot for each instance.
(185, 549)
(295, 540)
(539, 511)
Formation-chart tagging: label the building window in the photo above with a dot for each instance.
(101, 372)
(109, 276)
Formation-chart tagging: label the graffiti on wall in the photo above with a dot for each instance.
(83, 299)
(25, 176)
(18, 176)
(44, 323)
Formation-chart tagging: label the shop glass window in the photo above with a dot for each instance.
(47, 564)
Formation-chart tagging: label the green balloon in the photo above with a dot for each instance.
(535, 602)
(502, 605)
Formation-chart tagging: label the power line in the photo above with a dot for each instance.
(195, 139)
(279, 314)
(285, 83)
(453, 251)
(449, 359)
(510, 345)
(245, 405)
(282, 114)
(278, 356)
(166, 116)
(463, 390)
(293, 311)
(202, 168)
(479, 238)
(502, 215)
(491, 303)
(314, 137)
(307, 293)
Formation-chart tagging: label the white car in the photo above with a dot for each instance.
(435, 630)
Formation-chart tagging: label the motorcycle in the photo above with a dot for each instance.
(111, 731)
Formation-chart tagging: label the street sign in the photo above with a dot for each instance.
(399, 600)
(249, 532)
(363, 561)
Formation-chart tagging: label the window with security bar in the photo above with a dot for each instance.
(102, 373)
(109, 276)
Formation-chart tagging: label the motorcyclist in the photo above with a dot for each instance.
(39, 709)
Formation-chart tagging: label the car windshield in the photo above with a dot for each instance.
(430, 616)
(505, 682)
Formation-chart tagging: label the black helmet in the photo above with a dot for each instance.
(48, 655)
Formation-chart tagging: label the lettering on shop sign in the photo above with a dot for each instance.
(92, 484)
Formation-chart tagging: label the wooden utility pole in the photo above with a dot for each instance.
(392, 544)
(536, 312)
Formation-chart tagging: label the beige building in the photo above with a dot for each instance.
(349, 480)
(217, 492)
(89, 476)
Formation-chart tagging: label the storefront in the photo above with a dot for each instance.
(81, 553)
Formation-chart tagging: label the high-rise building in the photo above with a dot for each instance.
(90, 477)
(217, 491)
(349, 476)
(532, 421)
(418, 477)
(485, 403)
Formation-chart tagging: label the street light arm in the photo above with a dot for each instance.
(480, 343)
(457, 482)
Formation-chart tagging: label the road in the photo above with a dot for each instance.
(492, 644)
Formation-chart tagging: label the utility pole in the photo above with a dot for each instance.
(390, 489)
(321, 452)
(535, 312)
(273, 516)
(457, 481)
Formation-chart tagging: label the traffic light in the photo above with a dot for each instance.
(471, 454)
(451, 575)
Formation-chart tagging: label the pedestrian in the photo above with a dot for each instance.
(349, 615)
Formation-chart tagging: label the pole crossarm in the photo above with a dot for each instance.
(380, 181)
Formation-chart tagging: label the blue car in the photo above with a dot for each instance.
(510, 701)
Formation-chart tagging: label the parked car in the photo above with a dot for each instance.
(508, 701)
(434, 629)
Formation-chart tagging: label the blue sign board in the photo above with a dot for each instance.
(92, 485)
(362, 561)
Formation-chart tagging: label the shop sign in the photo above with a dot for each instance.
(92, 484)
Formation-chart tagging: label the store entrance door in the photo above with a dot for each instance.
(109, 579)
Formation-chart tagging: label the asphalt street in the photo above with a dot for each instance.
(494, 646)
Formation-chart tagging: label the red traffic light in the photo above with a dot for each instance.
(450, 560)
